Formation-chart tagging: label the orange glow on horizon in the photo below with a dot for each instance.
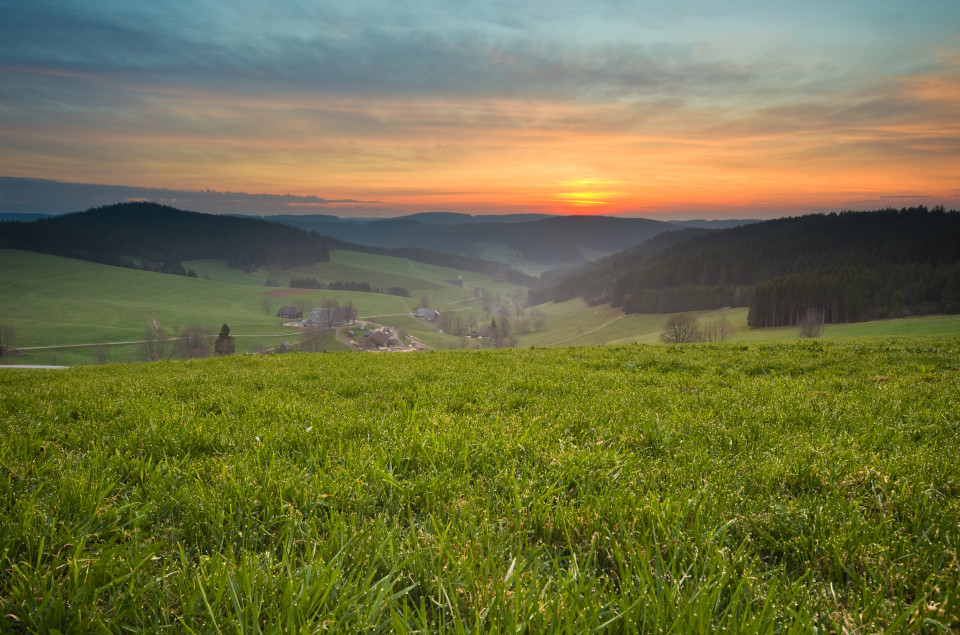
(483, 156)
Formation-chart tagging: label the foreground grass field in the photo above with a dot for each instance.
(750, 488)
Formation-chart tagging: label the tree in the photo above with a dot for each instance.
(154, 341)
(193, 342)
(329, 316)
(100, 352)
(811, 323)
(311, 339)
(6, 340)
(303, 306)
(425, 300)
(681, 328)
(266, 304)
(719, 330)
(224, 344)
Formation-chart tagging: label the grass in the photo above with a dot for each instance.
(573, 323)
(54, 301)
(785, 487)
(343, 266)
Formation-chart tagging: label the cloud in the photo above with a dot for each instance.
(436, 103)
(24, 195)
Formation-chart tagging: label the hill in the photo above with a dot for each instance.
(544, 242)
(851, 266)
(159, 238)
(62, 309)
(772, 488)
(450, 218)
(16, 216)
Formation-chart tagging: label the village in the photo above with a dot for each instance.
(364, 336)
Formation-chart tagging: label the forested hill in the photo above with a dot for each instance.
(162, 237)
(159, 238)
(851, 265)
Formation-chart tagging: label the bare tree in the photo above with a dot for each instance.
(681, 328)
(193, 342)
(725, 328)
(303, 306)
(6, 340)
(330, 307)
(349, 311)
(154, 341)
(424, 300)
(266, 304)
(811, 323)
(311, 339)
(719, 330)
(100, 352)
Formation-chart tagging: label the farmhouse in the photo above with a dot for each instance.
(333, 316)
(290, 313)
(428, 314)
(379, 338)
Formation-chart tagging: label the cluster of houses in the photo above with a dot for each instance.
(322, 316)
(342, 316)
(381, 338)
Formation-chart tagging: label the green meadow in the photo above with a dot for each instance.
(64, 311)
(74, 306)
(771, 488)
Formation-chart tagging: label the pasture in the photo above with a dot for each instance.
(784, 487)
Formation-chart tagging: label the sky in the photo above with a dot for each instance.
(699, 109)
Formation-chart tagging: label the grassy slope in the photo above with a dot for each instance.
(73, 302)
(573, 323)
(748, 488)
(53, 301)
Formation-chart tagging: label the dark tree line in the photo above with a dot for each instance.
(342, 285)
(851, 294)
(907, 254)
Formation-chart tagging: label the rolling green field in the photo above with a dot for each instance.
(792, 487)
(62, 309)
(74, 305)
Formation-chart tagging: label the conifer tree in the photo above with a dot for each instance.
(224, 344)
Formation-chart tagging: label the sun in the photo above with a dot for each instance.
(588, 192)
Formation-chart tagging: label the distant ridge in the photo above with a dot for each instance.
(16, 216)
(159, 238)
(550, 240)
(714, 224)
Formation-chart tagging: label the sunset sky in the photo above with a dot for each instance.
(371, 108)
